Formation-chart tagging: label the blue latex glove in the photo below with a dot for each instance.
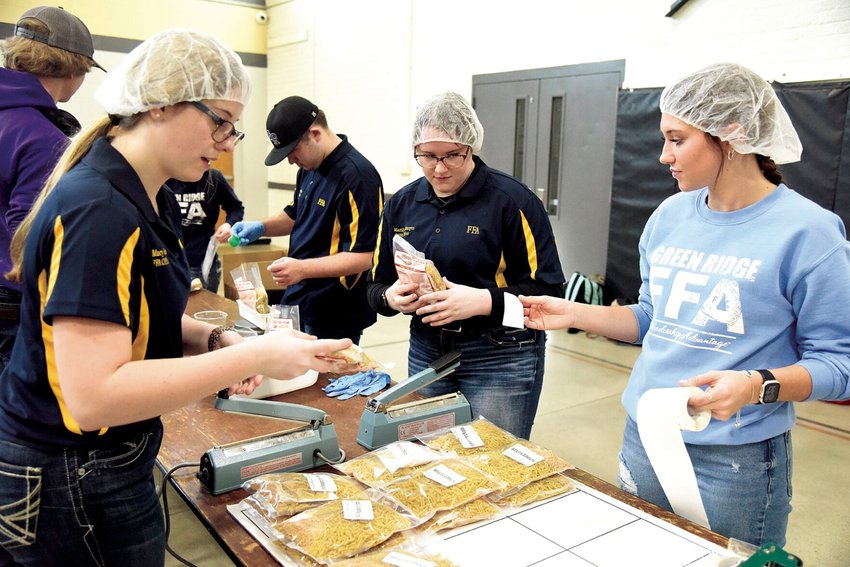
(363, 383)
(343, 385)
(248, 231)
(379, 381)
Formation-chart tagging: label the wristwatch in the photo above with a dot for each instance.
(769, 387)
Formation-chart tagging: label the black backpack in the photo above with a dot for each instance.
(583, 289)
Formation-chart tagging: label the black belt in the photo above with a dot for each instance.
(466, 327)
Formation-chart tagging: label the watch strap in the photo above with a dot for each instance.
(768, 379)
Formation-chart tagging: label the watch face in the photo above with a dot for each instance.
(770, 391)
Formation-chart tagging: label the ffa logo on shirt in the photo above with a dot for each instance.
(191, 207)
(472, 230)
(321, 202)
(159, 257)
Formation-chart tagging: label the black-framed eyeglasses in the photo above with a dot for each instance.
(451, 161)
(224, 129)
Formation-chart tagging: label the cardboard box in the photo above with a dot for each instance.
(262, 254)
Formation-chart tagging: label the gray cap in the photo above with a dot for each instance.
(66, 31)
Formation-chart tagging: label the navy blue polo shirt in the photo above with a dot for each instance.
(493, 234)
(97, 249)
(336, 208)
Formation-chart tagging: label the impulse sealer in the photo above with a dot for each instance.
(383, 422)
(226, 467)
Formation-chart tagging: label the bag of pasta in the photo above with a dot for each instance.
(286, 494)
(445, 485)
(249, 285)
(478, 510)
(412, 267)
(537, 491)
(519, 464)
(388, 463)
(341, 528)
(478, 436)
(399, 551)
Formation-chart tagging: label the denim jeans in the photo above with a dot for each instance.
(10, 301)
(500, 372)
(746, 489)
(82, 506)
(214, 277)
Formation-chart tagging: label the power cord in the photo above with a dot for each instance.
(162, 491)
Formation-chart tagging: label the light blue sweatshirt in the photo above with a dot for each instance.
(766, 286)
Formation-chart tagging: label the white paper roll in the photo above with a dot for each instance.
(662, 415)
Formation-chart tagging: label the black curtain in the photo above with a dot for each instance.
(821, 115)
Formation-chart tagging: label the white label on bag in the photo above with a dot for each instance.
(357, 510)
(445, 476)
(467, 436)
(320, 482)
(522, 454)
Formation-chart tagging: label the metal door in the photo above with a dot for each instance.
(572, 115)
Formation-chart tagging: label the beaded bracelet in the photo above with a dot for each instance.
(215, 337)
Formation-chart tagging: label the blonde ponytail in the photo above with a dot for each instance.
(79, 147)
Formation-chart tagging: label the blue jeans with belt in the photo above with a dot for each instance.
(746, 489)
(82, 506)
(500, 372)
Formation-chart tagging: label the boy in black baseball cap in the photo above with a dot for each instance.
(332, 221)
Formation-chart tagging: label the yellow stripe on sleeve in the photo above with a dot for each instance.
(123, 272)
(500, 273)
(355, 220)
(530, 246)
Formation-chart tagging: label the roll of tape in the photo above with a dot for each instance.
(662, 415)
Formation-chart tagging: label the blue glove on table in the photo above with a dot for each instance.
(362, 383)
(248, 231)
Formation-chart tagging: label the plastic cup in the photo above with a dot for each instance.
(217, 318)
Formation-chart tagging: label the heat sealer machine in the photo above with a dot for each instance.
(384, 422)
(314, 444)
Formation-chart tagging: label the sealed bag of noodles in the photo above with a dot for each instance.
(287, 494)
(396, 551)
(442, 486)
(519, 464)
(478, 436)
(537, 491)
(341, 528)
(388, 463)
(478, 510)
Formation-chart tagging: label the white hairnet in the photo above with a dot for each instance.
(170, 67)
(734, 104)
(447, 117)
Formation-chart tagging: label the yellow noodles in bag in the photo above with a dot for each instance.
(478, 510)
(287, 494)
(517, 474)
(538, 490)
(491, 435)
(403, 457)
(423, 496)
(325, 535)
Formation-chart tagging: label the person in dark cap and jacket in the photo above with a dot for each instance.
(332, 222)
(44, 63)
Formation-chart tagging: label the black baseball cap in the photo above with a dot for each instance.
(65, 31)
(287, 122)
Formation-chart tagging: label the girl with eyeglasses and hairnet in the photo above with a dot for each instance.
(103, 336)
(744, 286)
(489, 236)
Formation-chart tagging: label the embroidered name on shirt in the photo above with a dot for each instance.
(159, 257)
(403, 230)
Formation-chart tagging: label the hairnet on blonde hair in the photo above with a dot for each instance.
(737, 106)
(447, 117)
(170, 67)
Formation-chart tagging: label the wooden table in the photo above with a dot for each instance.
(192, 430)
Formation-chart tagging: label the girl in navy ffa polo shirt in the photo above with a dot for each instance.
(105, 283)
(488, 235)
